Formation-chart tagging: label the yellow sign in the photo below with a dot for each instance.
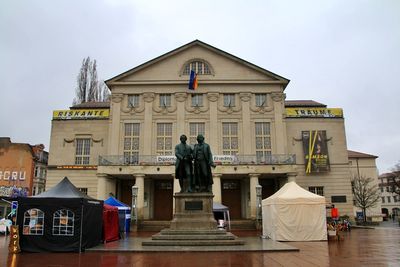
(314, 113)
(81, 114)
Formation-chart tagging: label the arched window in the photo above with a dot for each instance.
(63, 222)
(33, 222)
(200, 67)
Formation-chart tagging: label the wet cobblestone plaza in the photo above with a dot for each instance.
(361, 247)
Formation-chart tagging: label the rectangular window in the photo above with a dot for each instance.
(261, 100)
(37, 171)
(165, 100)
(319, 190)
(388, 189)
(338, 199)
(197, 100)
(263, 141)
(389, 199)
(83, 190)
(133, 100)
(229, 100)
(195, 128)
(383, 199)
(381, 189)
(394, 198)
(131, 143)
(82, 151)
(164, 139)
(230, 138)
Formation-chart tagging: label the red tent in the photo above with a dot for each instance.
(110, 223)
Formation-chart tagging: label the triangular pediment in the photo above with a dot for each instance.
(169, 68)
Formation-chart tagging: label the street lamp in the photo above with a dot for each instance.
(258, 205)
(134, 216)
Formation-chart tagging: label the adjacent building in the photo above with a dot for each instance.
(23, 170)
(257, 137)
(364, 165)
(390, 200)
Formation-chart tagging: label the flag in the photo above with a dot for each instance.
(193, 80)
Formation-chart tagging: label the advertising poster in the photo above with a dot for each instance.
(315, 151)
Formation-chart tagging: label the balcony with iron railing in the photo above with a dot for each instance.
(136, 160)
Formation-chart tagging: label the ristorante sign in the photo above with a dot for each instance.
(314, 112)
(81, 114)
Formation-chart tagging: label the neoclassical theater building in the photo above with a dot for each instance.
(257, 137)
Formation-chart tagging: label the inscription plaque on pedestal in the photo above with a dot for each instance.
(193, 205)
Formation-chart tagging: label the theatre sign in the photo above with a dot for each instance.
(81, 114)
(314, 113)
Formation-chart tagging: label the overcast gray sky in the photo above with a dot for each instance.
(344, 54)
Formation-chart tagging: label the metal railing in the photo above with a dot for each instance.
(117, 160)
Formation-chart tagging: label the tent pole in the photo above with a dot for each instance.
(80, 238)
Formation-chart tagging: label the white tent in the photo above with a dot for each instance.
(294, 214)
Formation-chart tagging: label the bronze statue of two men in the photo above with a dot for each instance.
(195, 177)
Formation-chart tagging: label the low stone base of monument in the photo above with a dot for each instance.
(193, 224)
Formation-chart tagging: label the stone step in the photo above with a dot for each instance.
(235, 242)
(193, 232)
(193, 237)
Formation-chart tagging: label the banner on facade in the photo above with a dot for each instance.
(314, 113)
(81, 114)
(315, 151)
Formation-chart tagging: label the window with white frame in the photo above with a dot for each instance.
(199, 67)
(263, 141)
(319, 190)
(37, 171)
(33, 222)
(83, 190)
(131, 142)
(165, 100)
(261, 100)
(197, 100)
(164, 139)
(388, 199)
(230, 138)
(195, 128)
(383, 199)
(229, 100)
(82, 151)
(133, 101)
(63, 222)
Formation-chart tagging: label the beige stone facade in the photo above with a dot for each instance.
(239, 107)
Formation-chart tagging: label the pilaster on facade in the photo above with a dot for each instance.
(213, 99)
(280, 127)
(245, 98)
(148, 123)
(180, 114)
(115, 119)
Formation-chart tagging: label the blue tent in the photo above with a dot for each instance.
(124, 212)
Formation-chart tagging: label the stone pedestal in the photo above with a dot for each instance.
(193, 211)
(193, 224)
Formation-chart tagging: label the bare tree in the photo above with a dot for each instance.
(89, 89)
(365, 193)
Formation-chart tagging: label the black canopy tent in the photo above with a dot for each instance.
(64, 219)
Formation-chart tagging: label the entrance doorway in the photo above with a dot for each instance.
(126, 191)
(163, 200)
(231, 194)
(268, 187)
